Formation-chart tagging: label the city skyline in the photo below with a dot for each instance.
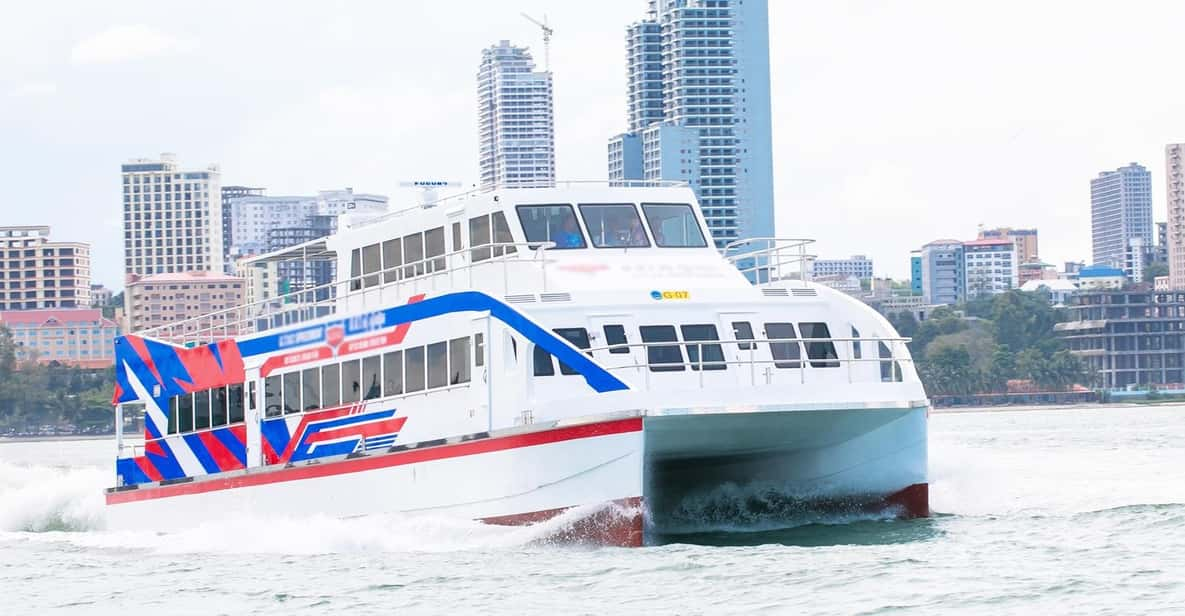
(858, 136)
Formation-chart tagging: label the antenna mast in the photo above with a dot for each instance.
(547, 32)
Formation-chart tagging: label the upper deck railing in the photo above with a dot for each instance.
(765, 260)
(450, 270)
(560, 184)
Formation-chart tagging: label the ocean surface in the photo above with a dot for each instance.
(1038, 512)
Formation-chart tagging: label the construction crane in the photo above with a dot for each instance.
(547, 32)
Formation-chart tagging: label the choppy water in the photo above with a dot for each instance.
(1054, 512)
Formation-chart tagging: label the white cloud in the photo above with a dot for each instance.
(129, 42)
(33, 88)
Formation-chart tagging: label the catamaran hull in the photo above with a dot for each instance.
(630, 480)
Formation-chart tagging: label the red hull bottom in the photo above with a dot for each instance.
(621, 524)
(618, 524)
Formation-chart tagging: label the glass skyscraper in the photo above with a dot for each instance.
(516, 122)
(1120, 210)
(699, 110)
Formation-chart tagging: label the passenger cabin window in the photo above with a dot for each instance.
(742, 330)
(234, 401)
(785, 354)
(371, 384)
(437, 365)
(372, 263)
(712, 354)
(458, 361)
(434, 249)
(674, 225)
(662, 358)
(479, 238)
(890, 370)
(311, 382)
(413, 379)
(479, 350)
(856, 351)
(331, 388)
(201, 410)
(819, 345)
(393, 373)
(578, 336)
(351, 381)
(392, 259)
(502, 235)
(185, 413)
(292, 393)
(271, 397)
(543, 364)
(614, 225)
(218, 407)
(413, 255)
(355, 269)
(615, 338)
(551, 223)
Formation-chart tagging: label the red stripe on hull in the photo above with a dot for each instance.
(617, 524)
(327, 469)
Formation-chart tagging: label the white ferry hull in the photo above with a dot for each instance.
(631, 474)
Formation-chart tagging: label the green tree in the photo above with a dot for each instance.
(905, 323)
(1155, 269)
(949, 371)
(1023, 319)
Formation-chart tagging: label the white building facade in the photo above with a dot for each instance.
(1120, 209)
(172, 217)
(516, 119)
(1174, 175)
(991, 266)
(859, 266)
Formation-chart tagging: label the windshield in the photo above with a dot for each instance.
(551, 223)
(674, 225)
(614, 225)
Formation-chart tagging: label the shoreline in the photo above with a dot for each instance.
(1004, 408)
(56, 437)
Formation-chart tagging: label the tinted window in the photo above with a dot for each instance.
(393, 373)
(351, 381)
(890, 371)
(824, 350)
(713, 354)
(413, 360)
(434, 247)
(271, 396)
(218, 407)
(674, 225)
(185, 413)
(614, 225)
(479, 237)
(458, 360)
(551, 223)
(657, 356)
(615, 335)
(234, 402)
(372, 263)
(742, 330)
(371, 385)
(578, 336)
(392, 259)
(201, 410)
(479, 350)
(502, 234)
(856, 351)
(437, 364)
(543, 363)
(783, 351)
(292, 392)
(413, 254)
(311, 381)
(355, 269)
(173, 413)
(331, 388)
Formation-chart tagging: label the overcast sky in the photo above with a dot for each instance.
(894, 123)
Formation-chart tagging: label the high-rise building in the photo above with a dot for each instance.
(1161, 253)
(1174, 175)
(516, 119)
(1025, 239)
(37, 273)
(698, 110)
(172, 217)
(990, 266)
(168, 299)
(943, 272)
(1120, 209)
(260, 223)
(229, 193)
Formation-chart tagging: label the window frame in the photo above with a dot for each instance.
(518, 209)
(652, 352)
(633, 208)
(654, 234)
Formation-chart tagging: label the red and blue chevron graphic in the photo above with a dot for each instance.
(330, 432)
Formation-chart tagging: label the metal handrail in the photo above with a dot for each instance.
(771, 262)
(525, 185)
(423, 269)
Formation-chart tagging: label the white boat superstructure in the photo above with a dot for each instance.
(511, 354)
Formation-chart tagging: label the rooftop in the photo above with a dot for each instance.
(186, 277)
(1099, 271)
(989, 241)
(61, 315)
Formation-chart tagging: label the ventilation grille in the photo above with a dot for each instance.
(775, 292)
(803, 292)
(555, 297)
(520, 299)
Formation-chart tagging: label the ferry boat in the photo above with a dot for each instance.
(513, 354)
